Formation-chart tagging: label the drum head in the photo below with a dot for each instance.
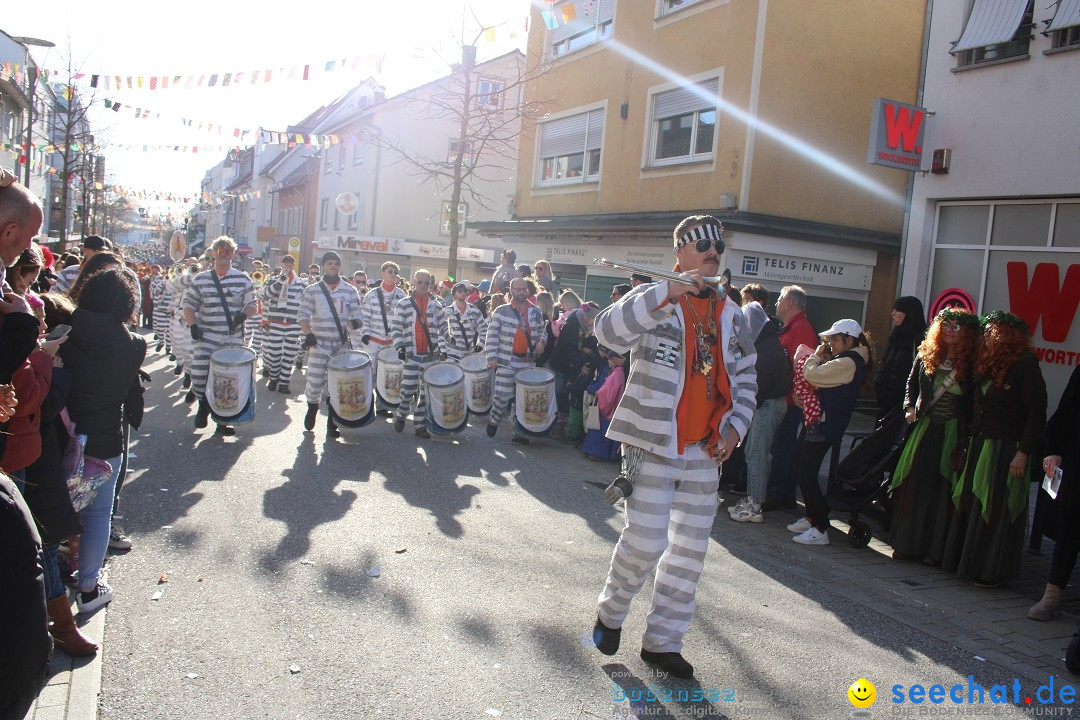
(443, 374)
(474, 363)
(349, 360)
(389, 355)
(232, 356)
(534, 376)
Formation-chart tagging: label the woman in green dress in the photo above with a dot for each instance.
(938, 401)
(987, 532)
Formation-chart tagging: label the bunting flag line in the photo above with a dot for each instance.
(145, 113)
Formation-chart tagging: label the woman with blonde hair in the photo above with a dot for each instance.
(938, 402)
(545, 278)
(987, 532)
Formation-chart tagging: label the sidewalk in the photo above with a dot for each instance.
(73, 684)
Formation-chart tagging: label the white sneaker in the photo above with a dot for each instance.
(118, 539)
(799, 526)
(739, 506)
(749, 514)
(93, 599)
(813, 536)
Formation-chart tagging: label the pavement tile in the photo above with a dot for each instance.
(56, 712)
(53, 695)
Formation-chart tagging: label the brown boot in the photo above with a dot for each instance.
(66, 635)
(1045, 608)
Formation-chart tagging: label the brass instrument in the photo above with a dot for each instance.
(258, 278)
(173, 270)
(654, 272)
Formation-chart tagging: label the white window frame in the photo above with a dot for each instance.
(337, 218)
(1066, 38)
(467, 157)
(602, 28)
(324, 207)
(591, 157)
(670, 7)
(1017, 48)
(655, 123)
(357, 153)
(328, 162)
(341, 156)
(490, 93)
(444, 223)
(352, 221)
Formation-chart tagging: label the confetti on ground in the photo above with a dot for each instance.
(192, 676)
(162, 578)
(157, 594)
(374, 572)
(493, 712)
(294, 669)
(166, 527)
(401, 550)
(307, 562)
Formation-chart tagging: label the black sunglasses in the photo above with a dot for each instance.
(704, 244)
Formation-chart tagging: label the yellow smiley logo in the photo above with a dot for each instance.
(862, 693)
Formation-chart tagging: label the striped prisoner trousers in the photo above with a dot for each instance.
(668, 520)
(200, 357)
(181, 340)
(279, 350)
(318, 357)
(503, 393)
(160, 323)
(412, 384)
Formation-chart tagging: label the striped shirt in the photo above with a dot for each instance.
(274, 309)
(372, 314)
(403, 325)
(503, 326)
(66, 278)
(202, 298)
(654, 332)
(315, 310)
(465, 330)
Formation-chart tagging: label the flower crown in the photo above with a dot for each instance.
(960, 316)
(1000, 317)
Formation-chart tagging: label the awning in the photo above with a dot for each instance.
(991, 22)
(1067, 16)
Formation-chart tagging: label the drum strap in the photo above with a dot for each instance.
(333, 311)
(224, 302)
(423, 323)
(524, 325)
(464, 333)
(382, 309)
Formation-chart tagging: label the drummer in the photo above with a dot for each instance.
(465, 325)
(377, 311)
(516, 334)
(216, 305)
(281, 298)
(328, 310)
(419, 343)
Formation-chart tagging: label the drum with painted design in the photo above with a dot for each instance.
(230, 386)
(388, 373)
(479, 381)
(350, 383)
(534, 401)
(447, 411)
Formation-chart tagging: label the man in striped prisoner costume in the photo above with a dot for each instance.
(465, 327)
(179, 336)
(688, 402)
(377, 314)
(254, 326)
(516, 334)
(161, 294)
(328, 310)
(91, 245)
(415, 327)
(214, 324)
(281, 304)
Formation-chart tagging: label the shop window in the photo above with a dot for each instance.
(1022, 224)
(963, 224)
(1067, 225)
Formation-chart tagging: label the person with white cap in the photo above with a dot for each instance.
(838, 369)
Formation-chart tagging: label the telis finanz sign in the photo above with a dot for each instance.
(896, 135)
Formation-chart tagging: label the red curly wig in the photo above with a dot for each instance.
(1005, 344)
(932, 348)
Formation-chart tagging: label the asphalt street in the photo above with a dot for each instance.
(275, 575)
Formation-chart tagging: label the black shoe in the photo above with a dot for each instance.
(422, 433)
(190, 397)
(160, 346)
(519, 440)
(491, 428)
(272, 385)
(670, 662)
(331, 429)
(202, 416)
(225, 430)
(283, 389)
(606, 639)
(312, 413)
(187, 380)
(172, 357)
(399, 424)
(178, 370)
(266, 372)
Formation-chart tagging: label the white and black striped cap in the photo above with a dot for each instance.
(712, 230)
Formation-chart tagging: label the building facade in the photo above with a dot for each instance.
(756, 111)
(995, 223)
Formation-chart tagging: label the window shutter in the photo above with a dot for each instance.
(596, 130)
(564, 136)
(581, 22)
(681, 101)
(991, 22)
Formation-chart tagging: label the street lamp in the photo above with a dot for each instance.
(32, 68)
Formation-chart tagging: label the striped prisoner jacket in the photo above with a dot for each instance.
(66, 278)
(314, 309)
(654, 333)
(202, 297)
(403, 324)
(464, 331)
(157, 289)
(503, 325)
(372, 316)
(273, 309)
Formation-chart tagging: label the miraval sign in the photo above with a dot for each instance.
(362, 243)
(896, 135)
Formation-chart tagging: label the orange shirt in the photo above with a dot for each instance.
(521, 340)
(697, 417)
(421, 322)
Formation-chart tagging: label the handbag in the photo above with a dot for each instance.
(83, 474)
(591, 410)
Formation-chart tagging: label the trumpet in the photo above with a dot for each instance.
(258, 278)
(655, 272)
(173, 270)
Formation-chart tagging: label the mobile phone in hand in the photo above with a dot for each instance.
(58, 332)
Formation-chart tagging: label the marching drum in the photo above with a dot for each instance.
(534, 401)
(388, 373)
(479, 380)
(351, 386)
(230, 386)
(447, 411)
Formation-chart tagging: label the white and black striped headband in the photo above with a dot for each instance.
(710, 231)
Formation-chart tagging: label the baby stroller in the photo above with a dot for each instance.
(864, 475)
